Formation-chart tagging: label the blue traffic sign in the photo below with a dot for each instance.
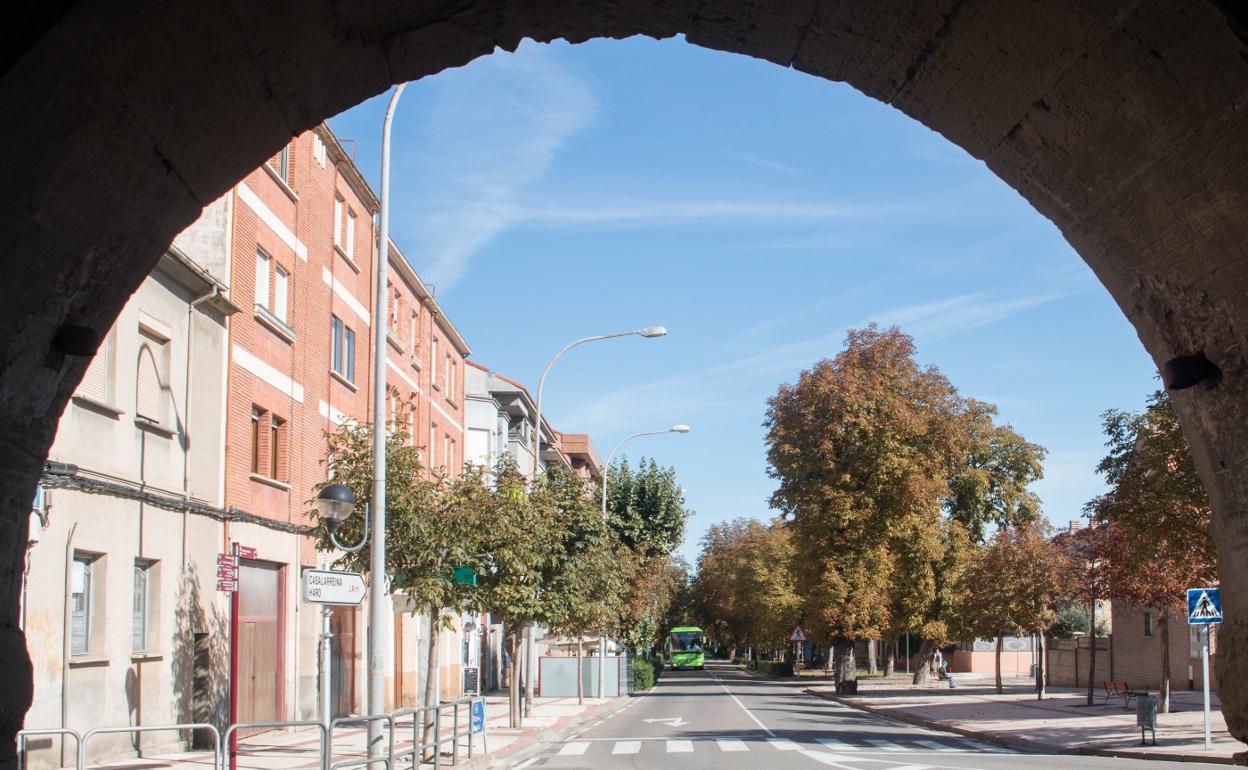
(1204, 606)
(477, 720)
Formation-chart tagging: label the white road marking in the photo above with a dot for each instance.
(828, 759)
(669, 721)
(626, 747)
(885, 745)
(525, 763)
(783, 744)
(679, 747)
(838, 744)
(573, 749)
(937, 746)
(732, 744)
(748, 713)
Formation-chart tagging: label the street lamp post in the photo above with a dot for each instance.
(377, 555)
(602, 640)
(650, 331)
(335, 504)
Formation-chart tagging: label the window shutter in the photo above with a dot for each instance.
(138, 624)
(149, 396)
(80, 620)
(280, 287)
(95, 382)
(262, 279)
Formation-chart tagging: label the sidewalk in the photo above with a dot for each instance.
(1061, 723)
(299, 749)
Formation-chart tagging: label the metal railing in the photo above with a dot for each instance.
(22, 735)
(225, 749)
(230, 741)
(138, 729)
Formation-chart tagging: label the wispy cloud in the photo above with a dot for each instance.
(631, 212)
(740, 380)
(491, 130)
(765, 163)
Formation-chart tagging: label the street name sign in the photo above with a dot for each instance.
(323, 586)
(227, 560)
(1204, 606)
(798, 635)
(227, 586)
(244, 551)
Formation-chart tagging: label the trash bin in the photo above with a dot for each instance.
(849, 687)
(1146, 716)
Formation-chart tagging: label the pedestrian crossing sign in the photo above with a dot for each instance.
(1204, 605)
(798, 635)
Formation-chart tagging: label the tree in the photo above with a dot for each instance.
(646, 507)
(433, 524)
(885, 472)
(745, 583)
(1013, 585)
(1157, 515)
(1088, 571)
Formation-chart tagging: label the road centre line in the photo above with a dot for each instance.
(748, 713)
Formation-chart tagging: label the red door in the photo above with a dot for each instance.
(258, 682)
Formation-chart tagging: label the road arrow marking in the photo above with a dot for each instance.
(670, 721)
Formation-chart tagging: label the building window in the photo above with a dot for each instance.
(97, 383)
(318, 151)
(139, 606)
(1148, 624)
(262, 278)
(277, 431)
(415, 329)
(433, 364)
(255, 439)
(338, 221)
(281, 281)
(343, 349)
(82, 605)
(151, 377)
(433, 445)
(283, 164)
(350, 245)
(450, 376)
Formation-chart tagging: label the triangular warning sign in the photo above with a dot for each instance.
(1205, 609)
(798, 635)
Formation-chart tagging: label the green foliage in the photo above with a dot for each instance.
(775, 669)
(644, 674)
(745, 584)
(1072, 619)
(646, 508)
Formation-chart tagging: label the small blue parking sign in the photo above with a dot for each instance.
(478, 716)
(1204, 605)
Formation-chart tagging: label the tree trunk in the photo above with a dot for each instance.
(1092, 655)
(1000, 644)
(872, 668)
(528, 670)
(1042, 670)
(846, 667)
(580, 670)
(732, 652)
(922, 668)
(1164, 706)
(431, 674)
(890, 656)
(514, 716)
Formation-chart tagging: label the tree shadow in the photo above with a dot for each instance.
(201, 659)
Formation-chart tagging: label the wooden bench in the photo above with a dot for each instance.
(1121, 690)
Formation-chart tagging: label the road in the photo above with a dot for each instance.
(723, 718)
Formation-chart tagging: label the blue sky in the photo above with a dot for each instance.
(756, 212)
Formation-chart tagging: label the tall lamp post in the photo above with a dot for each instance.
(648, 332)
(602, 640)
(377, 555)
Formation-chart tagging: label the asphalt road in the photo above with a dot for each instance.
(723, 718)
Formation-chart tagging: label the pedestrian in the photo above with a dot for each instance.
(945, 675)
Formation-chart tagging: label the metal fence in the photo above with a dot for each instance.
(226, 746)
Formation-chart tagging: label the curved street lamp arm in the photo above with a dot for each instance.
(607, 466)
(333, 538)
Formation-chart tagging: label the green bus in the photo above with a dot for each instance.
(685, 647)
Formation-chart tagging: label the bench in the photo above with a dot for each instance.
(1121, 690)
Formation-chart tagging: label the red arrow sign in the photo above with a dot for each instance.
(227, 560)
(227, 573)
(228, 586)
(244, 551)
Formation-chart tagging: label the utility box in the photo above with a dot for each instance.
(848, 687)
(1146, 716)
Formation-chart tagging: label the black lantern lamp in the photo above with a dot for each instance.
(1185, 372)
(335, 504)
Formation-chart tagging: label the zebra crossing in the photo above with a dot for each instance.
(856, 743)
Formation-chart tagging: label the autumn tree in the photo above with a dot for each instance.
(1157, 516)
(1087, 555)
(1013, 585)
(884, 472)
(745, 583)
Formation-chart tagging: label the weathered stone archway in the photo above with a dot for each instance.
(1124, 123)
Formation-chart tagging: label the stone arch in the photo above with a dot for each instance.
(1123, 123)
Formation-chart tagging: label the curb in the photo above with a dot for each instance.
(1019, 743)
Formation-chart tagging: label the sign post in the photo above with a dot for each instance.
(329, 588)
(797, 636)
(1204, 607)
